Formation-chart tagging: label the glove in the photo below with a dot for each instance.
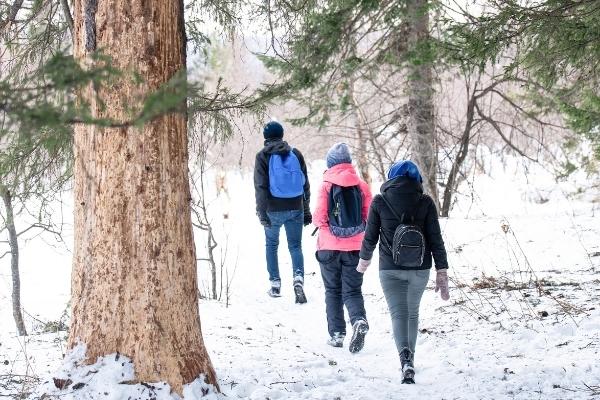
(264, 220)
(307, 214)
(441, 283)
(363, 265)
(307, 218)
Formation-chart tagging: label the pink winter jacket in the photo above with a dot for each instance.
(342, 175)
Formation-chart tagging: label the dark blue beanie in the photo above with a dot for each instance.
(405, 168)
(273, 130)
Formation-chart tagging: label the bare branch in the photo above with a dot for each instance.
(498, 130)
(46, 228)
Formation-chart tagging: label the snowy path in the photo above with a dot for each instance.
(268, 348)
(484, 344)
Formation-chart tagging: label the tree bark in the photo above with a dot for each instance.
(14, 260)
(421, 124)
(134, 281)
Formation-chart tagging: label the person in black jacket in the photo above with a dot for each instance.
(403, 287)
(274, 212)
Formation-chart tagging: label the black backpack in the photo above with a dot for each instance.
(408, 246)
(344, 209)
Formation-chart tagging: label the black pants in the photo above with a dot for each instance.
(342, 287)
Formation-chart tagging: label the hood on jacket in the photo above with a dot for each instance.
(402, 184)
(342, 175)
(276, 146)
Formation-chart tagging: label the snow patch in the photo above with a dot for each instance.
(112, 377)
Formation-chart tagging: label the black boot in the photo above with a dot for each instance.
(408, 369)
(360, 329)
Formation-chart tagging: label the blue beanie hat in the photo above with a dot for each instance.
(405, 168)
(273, 130)
(338, 154)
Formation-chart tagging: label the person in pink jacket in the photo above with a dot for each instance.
(340, 216)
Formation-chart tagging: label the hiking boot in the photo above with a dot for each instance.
(360, 329)
(275, 290)
(408, 369)
(300, 296)
(299, 289)
(337, 340)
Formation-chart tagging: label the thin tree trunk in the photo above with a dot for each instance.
(212, 244)
(134, 281)
(421, 126)
(452, 182)
(11, 15)
(67, 14)
(14, 261)
(363, 154)
(203, 220)
(362, 146)
(380, 164)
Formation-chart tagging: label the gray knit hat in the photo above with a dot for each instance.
(339, 153)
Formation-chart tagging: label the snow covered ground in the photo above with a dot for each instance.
(523, 321)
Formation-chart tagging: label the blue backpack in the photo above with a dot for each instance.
(286, 179)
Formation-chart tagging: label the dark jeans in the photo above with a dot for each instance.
(342, 287)
(292, 221)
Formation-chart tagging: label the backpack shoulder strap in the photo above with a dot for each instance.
(333, 190)
(391, 208)
(418, 207)
(383, 238)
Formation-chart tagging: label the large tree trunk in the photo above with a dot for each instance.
(134, 282)
(14, 260)
(421, 125)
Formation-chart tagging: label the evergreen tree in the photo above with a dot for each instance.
(554, 44)
(331, 45)
(128, 105)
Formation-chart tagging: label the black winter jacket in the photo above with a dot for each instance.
(403, 193)
(264, 200)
